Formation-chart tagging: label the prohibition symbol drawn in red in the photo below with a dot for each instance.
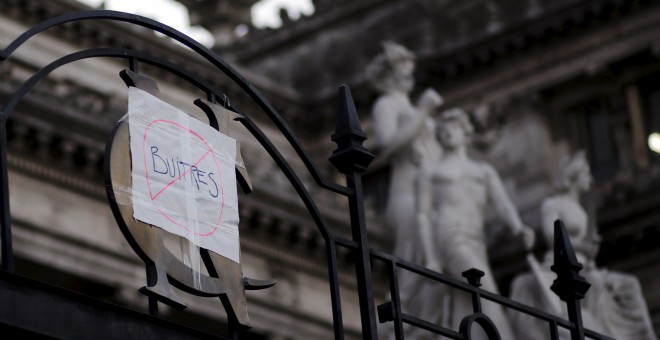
(160, 193)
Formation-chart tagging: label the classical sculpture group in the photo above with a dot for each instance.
(438, 197)
(614, 304)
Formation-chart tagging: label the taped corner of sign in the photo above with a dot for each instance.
(184, 175)
(123, 195)
(123, 118)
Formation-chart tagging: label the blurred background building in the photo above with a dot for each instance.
(541, 79)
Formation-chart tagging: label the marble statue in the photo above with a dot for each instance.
(614, 305)
(404, 136)
(454, 194)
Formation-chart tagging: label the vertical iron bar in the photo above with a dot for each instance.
(233, 327)
(133, 64)
(152, 280)
(554, 333)
(210, 96)
(473, 277)
(575, 316)
(337, 320)
(476, 302)
(352, 159)
(5, 216)
(396, 300)
(153, 305)
(363, 263)
(569, 285)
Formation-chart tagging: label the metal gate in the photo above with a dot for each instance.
(350, 158)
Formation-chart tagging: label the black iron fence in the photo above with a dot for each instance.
(350, 158)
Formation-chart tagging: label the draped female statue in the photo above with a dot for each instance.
(614, 305)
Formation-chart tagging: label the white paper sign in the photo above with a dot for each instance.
(183, 173)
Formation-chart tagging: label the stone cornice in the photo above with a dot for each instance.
(560, 20)
(103, 33)
(445, 57)
(557, 60)
(268, 40)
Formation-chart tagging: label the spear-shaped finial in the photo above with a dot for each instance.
(569, 285)
(350, 154)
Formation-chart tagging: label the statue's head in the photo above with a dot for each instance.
(454, 128)
(574, 172)
(392, 69)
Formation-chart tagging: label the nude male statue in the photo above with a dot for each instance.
(453, 196)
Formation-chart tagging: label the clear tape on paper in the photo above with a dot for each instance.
(183, 178)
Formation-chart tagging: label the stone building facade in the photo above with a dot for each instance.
(541, 79)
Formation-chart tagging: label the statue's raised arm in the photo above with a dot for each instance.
(399, 126)
(505, 208)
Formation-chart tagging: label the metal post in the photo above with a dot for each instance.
(473, 277)
(396, 299)
(152, 279)
(569, 285)
(153, 305)
(352, 159)
(337, 319)
(5, 215)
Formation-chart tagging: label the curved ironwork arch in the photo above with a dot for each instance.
(482, 320)
(350, 158)
(198, 48)
(239, 80)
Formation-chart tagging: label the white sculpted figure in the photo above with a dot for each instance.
(404, 134)
(614, 305)
(454, 195)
